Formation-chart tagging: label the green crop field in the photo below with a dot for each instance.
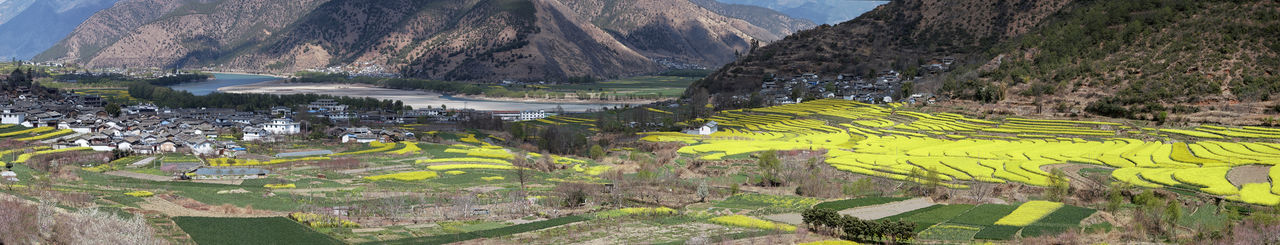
(985, 214)
(274, 230)
(997, 232)
(497, 232)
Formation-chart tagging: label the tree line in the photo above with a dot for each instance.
(163, 96)
(855, 229)
(392, 83)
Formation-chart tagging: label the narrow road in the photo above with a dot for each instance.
(143, 162)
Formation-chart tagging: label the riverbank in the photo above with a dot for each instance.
(414, 98)
(250, 74)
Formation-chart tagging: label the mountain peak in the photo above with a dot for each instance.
(453, 40)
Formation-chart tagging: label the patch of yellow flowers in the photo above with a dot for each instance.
(751, 222)
(1029, 213)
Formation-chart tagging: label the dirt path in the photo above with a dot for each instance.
(161, 205)
(1073, 174)
(143, 162)
(789, 218)
(875, 212)
(1248, 174)
(140, 176)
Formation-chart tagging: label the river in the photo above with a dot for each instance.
(221, 80)
(416, 99)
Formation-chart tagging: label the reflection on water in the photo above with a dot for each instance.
(221, 80)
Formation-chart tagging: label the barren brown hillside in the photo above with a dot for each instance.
(454, 40)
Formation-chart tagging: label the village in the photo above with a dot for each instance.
(884, 87)
(148, 129)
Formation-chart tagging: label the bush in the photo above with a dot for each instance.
(858, 229)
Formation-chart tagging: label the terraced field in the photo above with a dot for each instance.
(886, 142)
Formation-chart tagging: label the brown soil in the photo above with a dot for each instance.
(1248, 174)
(1073, 174)
(179, 206)
(888, 209)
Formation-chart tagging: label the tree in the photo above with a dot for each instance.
(522, 166)
(1058, 185)
(112, 109)
(596, 152)
(906, 90)
(702, 191)
(1173, 213)
(1114, 199)
(769, 165)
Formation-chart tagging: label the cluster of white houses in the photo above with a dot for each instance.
(148, 129)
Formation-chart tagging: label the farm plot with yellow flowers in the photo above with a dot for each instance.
(891, 143)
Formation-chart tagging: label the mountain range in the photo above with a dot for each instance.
(29, 27)
(449, 40)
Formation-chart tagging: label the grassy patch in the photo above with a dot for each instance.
(125, 200)
(985, 214)
(274, 230)
(858, 202)
(1044, 230)
(949, 232)
(913, 212)
(1205, 217)
(515, 229)
(767, 204)
(1067, 215)
(938, 215)
(997, 232)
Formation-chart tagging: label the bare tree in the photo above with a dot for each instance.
(522, 166)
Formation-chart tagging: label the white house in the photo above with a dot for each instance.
(533, 115)
(282, 126)
(203, 148)
(124, 146)
(326, 105)
(706, 129)
(255, 134)
(359, 138)
(12, 117)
